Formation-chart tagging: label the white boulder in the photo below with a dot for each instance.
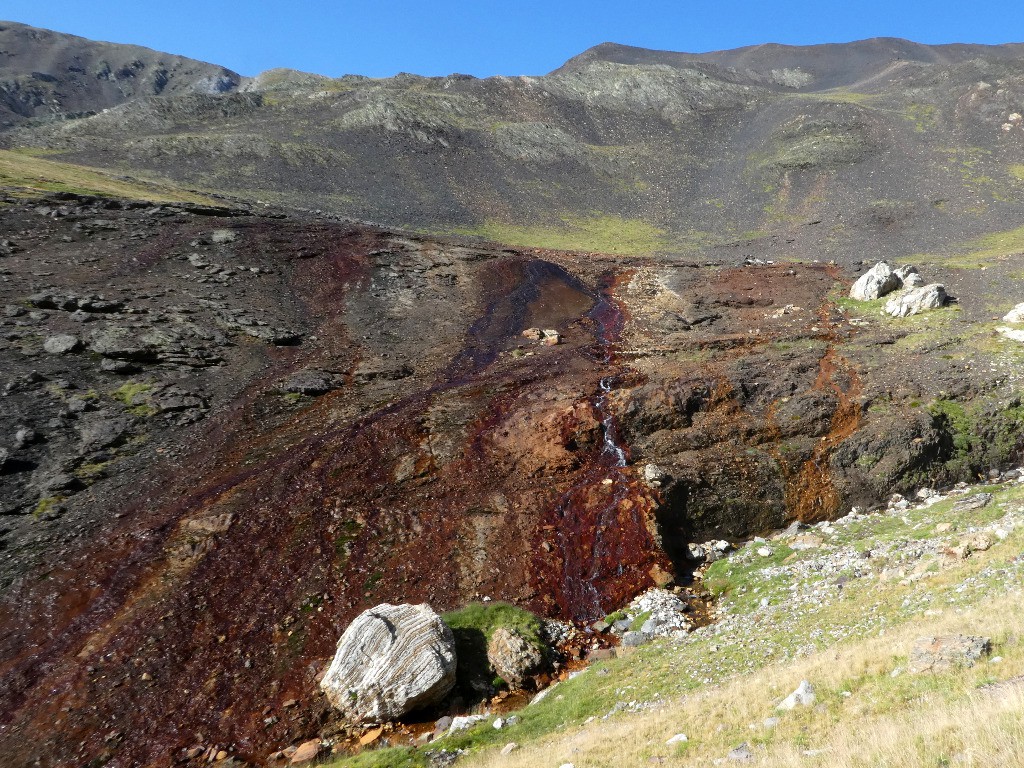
(1015, 315)
(803, 696)
(931, 296)
(391, 660)
(875, 283)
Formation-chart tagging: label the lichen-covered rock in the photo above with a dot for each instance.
(391, 660)
(513, 657)
(932, 654)
(61, 344)
(875, 283)
(931, 296)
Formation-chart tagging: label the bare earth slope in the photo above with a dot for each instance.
(230, 426)
(186, 534)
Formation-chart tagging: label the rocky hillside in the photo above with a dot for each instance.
(48, 76)
(880, 148)
(231, 426)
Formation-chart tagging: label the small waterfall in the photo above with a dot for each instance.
(602, 536)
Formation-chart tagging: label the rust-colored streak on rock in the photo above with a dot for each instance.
(811, 494)
(599, 534)
(224, 595)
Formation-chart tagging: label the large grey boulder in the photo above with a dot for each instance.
(875, 283)
(391, 660)
(931, 296)
(513, 657)
(937, 653)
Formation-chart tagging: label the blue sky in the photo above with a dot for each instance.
(490, 37)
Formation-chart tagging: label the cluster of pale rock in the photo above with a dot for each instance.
(394, 659)
(1015, 316)
(547, 336)
(912, 294)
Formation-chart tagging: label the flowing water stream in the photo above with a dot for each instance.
(602, 536)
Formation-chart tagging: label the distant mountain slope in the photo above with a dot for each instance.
(877, 148)
(46, 74)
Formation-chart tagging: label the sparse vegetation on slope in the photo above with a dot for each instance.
(840, 606)
(31, 172)
(601, 234)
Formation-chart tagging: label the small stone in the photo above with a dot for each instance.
(765, 552)
(741, 754)
(513, 656)
(307, 752)
(464, 722)
(221, 755)
(803, 696)
(634, 639)
(806, 541)
(509, 748)
(654, 475)
(979, 542)
(541, 695)
(61, 344)
(371, 736)
(875, 283)
(222, 236)
(679, 738)
(551, 337)
(123, 367)
(977, 501)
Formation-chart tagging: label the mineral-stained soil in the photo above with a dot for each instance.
(265, 423)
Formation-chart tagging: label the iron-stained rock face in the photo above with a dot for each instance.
(391, 660)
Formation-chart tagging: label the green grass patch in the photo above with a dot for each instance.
(133, 395)
(921, 115)
(46, 505)
(597, 233)
(27, 170)
(487, 617)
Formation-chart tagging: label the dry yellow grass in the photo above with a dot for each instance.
(24, 170)
(906, 721)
